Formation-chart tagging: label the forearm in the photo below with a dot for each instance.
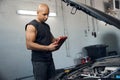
(35, 46)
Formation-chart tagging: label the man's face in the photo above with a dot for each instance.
(43, 14)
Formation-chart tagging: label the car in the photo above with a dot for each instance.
(103, 68)
(100, 69)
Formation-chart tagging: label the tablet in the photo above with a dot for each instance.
(61, 40)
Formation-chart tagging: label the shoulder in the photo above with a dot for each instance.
(33, 24)
(47, 25)
(30, 28)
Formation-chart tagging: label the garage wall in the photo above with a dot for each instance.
(108, 34)
(15, 58)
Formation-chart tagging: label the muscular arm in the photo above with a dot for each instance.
(30, 41)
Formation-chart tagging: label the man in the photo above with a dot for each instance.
(41, 42)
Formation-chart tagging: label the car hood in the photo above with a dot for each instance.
(94, 13)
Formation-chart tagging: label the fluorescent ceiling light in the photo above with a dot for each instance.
(32, 13)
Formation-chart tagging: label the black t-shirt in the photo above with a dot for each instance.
(44, 37)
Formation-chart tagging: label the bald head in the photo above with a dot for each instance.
(42, 7)
(42, 12)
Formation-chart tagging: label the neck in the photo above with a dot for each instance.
(38, 20)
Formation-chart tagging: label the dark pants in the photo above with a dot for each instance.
(43, 70)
